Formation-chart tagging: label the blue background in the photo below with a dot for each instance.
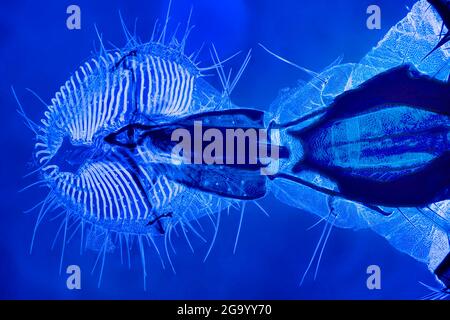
(39, 52)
